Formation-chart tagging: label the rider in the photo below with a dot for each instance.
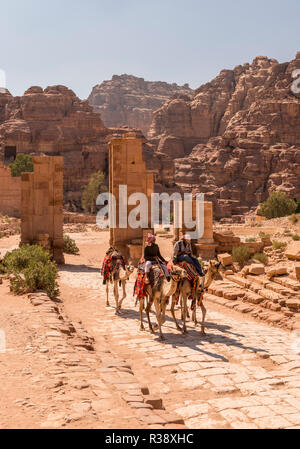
(152, 255)
(183, 252)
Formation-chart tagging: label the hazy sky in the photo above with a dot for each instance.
(80, 43)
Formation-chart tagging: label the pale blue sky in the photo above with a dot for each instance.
(81, 43)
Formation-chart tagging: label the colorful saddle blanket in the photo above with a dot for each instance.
(140, 285)
(111, 262)
(192, 276)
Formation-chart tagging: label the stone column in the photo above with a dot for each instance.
(42, 205)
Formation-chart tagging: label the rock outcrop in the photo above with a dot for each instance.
(126, 100)
(237, 138)
(54, 121)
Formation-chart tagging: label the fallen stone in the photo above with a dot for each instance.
(276, 271)
(293, 251)
(293, 304)
(256, 269)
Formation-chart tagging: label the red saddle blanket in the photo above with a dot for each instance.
(140, 284)
(110, 263)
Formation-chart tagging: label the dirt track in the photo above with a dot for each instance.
(243, 374)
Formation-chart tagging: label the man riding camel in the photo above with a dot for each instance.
(152, 255)
(183, 253)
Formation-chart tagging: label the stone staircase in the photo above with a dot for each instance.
(275, 300)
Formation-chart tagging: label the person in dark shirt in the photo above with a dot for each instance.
(152, 255)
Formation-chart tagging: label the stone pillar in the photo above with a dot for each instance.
(127, 167)
(10, 193)
(205, 246)
(42, 205)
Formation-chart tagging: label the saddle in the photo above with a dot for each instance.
(112, 261)
(192, 276)
(155, 277)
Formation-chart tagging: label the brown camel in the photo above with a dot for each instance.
(159, 295)
(186, 290)
(118, 275)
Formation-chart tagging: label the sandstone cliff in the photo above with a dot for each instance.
(54, 121)
(128, 100)
(237, 138)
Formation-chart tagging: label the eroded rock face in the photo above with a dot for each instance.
(237, 138)
(54, 121)
(128, 100)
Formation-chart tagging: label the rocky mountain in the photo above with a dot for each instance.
(237, 138)
(126, 100)
(54, 121)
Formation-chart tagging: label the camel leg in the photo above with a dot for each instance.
(107, 292)
(203, 318)
(173, 313)
(148, 308)
(163, 308)
(123, 297)
(159, 318)
(184, 302)
(116, 293)
(194, 316)
(141, 314)
(182, 310)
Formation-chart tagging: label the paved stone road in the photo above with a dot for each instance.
(243, 374)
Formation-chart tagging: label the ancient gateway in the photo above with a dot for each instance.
(127, 167)
(42, 205)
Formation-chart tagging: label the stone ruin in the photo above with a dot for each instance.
(10, 193)
(205, 246)
(127, 167)
(42, 205)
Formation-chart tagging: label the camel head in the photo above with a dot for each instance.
(214, 267)
(129, 269)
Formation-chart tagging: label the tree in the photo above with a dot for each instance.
(277, 205)
(297, 211)
(22, 163)
(95, 186)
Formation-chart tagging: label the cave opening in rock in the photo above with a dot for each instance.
(10, 153)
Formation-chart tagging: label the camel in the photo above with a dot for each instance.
(159, 295)
(185, 290)
(119, 274)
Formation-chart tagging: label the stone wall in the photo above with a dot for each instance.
(10, 193)
(42, 205)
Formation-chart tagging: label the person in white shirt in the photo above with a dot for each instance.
(183, 252)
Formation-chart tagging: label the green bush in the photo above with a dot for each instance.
(161, 232)
(278, 245)
(263, 235)
(32, 269)
(261, 257)
(251, 240)
(70, 246)
(298, 205)
(296, 237)
(23, 163)
(90, 193)
(277, 205)
(241, 254)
